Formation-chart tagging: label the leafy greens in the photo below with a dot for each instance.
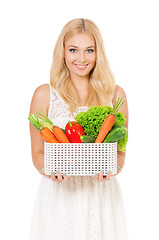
(92, 120)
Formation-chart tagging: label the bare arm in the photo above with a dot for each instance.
(40, 99)
(124, 109)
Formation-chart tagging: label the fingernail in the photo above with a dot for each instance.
(42, 169)
(52, 173)
(118, 167)
(109, 172)
(101, 171)
(57, 171)
(64, 174)
(96, 174)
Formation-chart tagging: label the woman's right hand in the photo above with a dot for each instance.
(59, 178)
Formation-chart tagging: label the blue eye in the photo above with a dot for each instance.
(90, 50)
(72, 50)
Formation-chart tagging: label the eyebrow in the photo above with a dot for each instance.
(77, 47)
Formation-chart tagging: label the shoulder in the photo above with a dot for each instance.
(42, 91)
(119, 92)
(41, 98)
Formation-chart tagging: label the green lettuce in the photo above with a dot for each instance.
(92, 120)
(123, 142)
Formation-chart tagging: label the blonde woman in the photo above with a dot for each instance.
(83, 207)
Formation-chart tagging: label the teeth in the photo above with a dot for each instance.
(81, 66)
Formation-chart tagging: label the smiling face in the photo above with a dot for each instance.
(80, 54)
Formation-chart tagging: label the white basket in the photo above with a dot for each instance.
(80, 159)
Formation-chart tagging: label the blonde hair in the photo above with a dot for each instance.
(102, 82)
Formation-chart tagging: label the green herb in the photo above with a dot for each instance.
(92, 120)
(123, 142)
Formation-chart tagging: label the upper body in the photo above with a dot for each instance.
(83, 59)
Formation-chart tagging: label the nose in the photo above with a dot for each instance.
(82, 57)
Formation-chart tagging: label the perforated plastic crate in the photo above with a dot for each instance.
(80, 159)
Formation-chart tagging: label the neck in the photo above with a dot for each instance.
(82, 87)
(80, 83)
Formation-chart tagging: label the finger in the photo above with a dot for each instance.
(108, 175)
(101, 175)
(118, 170)
(42, 171)
(96, 176)
(65, 176)
(59, 176)
(53, 177)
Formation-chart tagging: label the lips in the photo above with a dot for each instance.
(81, 66)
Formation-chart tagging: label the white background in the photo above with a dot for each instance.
(29, 30)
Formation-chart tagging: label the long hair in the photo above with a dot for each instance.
(102, 82)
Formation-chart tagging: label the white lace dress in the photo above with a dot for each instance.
(80, 208)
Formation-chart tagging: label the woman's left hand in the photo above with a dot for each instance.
(99, 176)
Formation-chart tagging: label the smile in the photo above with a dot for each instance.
(81, 66)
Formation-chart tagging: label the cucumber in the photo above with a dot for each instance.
(115, 134)
(87, 139)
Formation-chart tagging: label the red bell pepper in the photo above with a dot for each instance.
(74, 131)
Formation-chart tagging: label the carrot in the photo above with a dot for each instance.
(58, 132)
(105, 128)
(60, 135)
(45, 132)
(48, 136)
(109, 121)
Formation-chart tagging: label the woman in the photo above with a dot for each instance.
(80, 207)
